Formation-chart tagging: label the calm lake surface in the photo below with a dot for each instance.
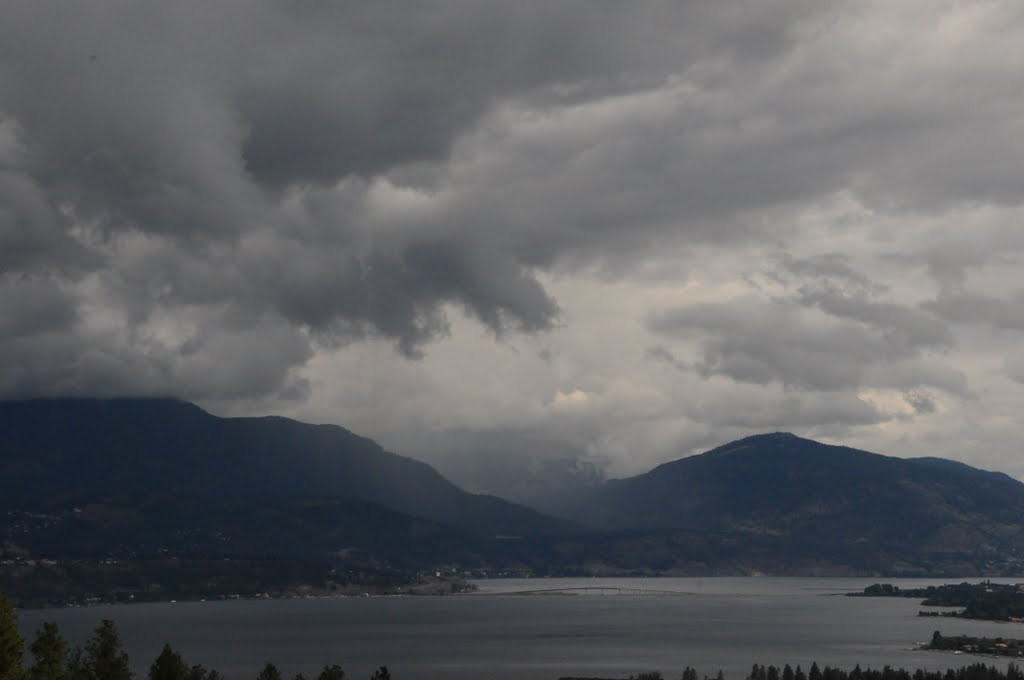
(711, 624)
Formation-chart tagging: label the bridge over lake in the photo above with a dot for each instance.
(596, 590)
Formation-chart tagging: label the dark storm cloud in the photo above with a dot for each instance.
(34, 306)
(33, 233)
(215, 162)
(365, 87)
(81, 362)
(202, 197)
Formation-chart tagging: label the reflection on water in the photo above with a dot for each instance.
(608, 628)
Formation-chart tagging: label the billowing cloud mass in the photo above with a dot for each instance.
(600, 231)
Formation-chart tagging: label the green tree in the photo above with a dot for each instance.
(269, 672)
(169, 666)
(49, 654)
(197, 672)
(12, 645)
(332, 672)
(76, 665)
(381, 673)
(104, 658)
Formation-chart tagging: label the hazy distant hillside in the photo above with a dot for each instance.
(516, 468)
(75, 450)
(852, 506)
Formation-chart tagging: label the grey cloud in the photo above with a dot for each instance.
(920, 401)
(831, 268)
(759, 413)
(383, 84)
(903, 324)
(757, 341)
(31, 306)
(962, 243)
(967, 308)
(750, 341)
(833, 285)
(289, 178)
(189, 156)
(33, 232)
(211, 365)
(917, 372)
(66, 355)
(1014, 367)
(662, 354)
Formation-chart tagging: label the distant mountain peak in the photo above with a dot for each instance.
(854, 506)
(771, 436)
(775, 435)
(75, 449)
(765, 443)
(161, 402)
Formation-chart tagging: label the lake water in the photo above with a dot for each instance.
(707, 623)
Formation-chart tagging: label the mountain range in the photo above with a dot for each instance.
(58, 452)
(850, 506)
(130, 478)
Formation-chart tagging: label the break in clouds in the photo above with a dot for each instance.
(605, 232)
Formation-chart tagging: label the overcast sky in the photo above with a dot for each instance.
(626, 231)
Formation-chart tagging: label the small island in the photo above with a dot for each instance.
(986, 600)
(977, 645)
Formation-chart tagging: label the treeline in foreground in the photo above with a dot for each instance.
(978, 671)
(103, 657)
